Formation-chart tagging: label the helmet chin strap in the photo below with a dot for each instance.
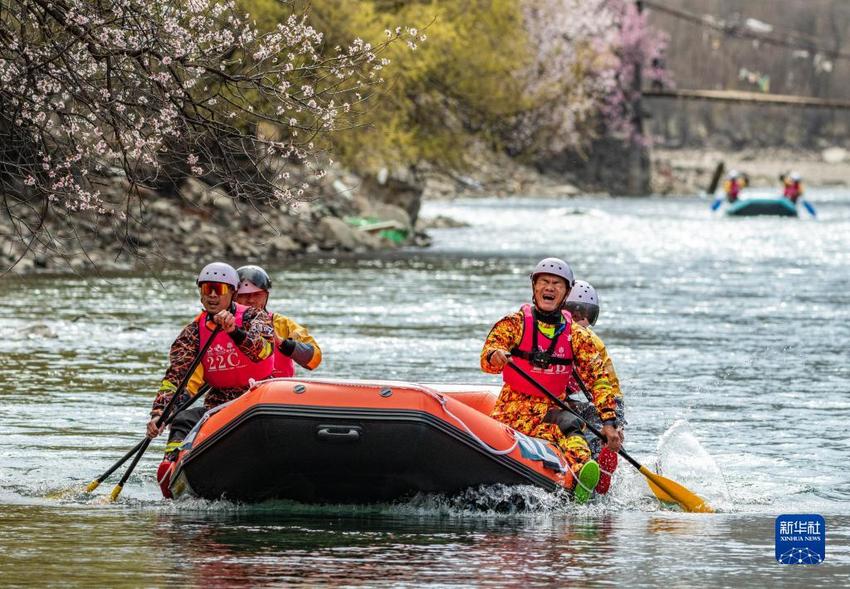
(551, 317)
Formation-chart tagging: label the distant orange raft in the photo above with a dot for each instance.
(348, 441)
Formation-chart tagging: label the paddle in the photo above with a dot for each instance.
(809, 207)
(712, 187)
(665, 489)
(96, 482)
(164, 415)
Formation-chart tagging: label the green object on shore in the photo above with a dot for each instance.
(391, 230)
(751, 207)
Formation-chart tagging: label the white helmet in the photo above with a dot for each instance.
(583, 292)
(795, 176)
(584, 300)
(219, 272)
(555, 267)
(733, 174)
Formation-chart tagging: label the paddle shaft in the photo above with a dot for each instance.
(95, 483)
(566, 407)
(165, 412)
(809, 207)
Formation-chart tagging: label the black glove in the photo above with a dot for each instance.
(287, 346)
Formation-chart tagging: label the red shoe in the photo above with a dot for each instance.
(607, 460)
(163, 476)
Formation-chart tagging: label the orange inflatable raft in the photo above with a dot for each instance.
(348, 441)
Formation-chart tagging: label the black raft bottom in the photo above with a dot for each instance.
(331, 455)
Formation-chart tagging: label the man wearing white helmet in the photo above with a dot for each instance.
(792, 186)
(293, 343)
(545, 343)
(583, 305)
(241, 351)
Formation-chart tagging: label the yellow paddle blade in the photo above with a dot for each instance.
(92, 486)
(672, 492)
(659, 492)
(115, 492)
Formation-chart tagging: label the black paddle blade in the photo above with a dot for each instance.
(715, 178)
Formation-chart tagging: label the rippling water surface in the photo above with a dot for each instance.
(730, 337)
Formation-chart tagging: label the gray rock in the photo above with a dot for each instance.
(284, 244)
(438, 187)
(368, 241)
(283, 223)
(439, 222)
(242, 248)
(342, 190)
(25, 265)
(333, 231)
(403, 188)
(207, 235)
(186, 225)
(834, 155)
(162, 206)
(193, 190)
(204, 196)
(382, 176)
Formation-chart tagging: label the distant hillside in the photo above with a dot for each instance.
(799, 47)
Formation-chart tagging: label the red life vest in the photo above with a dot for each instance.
(792, 191)
(551, 365)
(734, 190)
(284, 367)
(225, 365)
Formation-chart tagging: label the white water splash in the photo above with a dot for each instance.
(682, 458)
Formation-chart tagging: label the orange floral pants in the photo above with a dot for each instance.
(526, 414)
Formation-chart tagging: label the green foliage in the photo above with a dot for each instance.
(459, 82)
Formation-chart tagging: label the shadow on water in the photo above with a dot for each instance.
(389, 548)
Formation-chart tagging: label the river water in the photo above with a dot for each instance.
(730, 337)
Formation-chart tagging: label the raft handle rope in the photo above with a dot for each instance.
(437, 396)
(442, 401)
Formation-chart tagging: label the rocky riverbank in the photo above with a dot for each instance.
(199, 223)
(345, 213)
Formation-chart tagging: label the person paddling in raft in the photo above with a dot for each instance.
(546, 343)
(733, 185)
(792, 186)
(293, 343)
(583, 305)
(242, 350)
